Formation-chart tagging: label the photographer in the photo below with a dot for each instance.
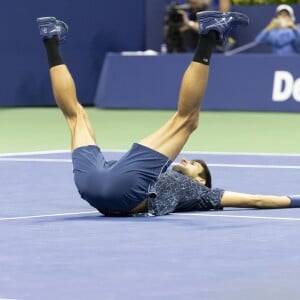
(190, 20)
(181, 29)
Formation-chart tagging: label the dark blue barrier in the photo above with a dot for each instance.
(95, 28)
(253, 82)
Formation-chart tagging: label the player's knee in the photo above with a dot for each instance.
(72, 121)
(75, 115)
(191, 122)
(188, 122)
(73, 111)
(194, 122)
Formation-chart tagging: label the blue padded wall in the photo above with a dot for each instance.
(96, 26)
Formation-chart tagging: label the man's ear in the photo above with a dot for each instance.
(200, 180)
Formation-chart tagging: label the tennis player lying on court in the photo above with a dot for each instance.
(138, 182)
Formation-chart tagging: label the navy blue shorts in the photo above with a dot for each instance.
(117, 187)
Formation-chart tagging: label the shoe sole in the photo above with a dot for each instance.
(244, 19)
(46, 20)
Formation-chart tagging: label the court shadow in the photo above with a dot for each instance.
(100, 218)
(202, 224)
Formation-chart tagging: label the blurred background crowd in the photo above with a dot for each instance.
(281, 33)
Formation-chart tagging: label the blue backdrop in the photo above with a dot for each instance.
(96, 26)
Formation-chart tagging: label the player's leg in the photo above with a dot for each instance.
(63, 86)
(171, 137)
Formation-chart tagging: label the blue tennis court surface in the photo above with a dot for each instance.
(54, 246)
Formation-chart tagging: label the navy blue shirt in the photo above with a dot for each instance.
(176, 192)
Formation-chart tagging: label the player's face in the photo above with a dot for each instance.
(189, 168)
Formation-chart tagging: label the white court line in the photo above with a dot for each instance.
(56, 160)
(34, 153)
(236, 216)
(253, 166)
(219, 153)
(176, 214)
(183, 152)
(243, 153)
(50, 215)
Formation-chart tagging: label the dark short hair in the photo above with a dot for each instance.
(206, 173)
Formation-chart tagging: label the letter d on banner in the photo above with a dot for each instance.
(282, 86)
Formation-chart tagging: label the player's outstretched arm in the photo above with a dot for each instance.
(231, 199)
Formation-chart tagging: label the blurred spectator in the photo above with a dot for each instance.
(181, 30)
(281, 33)
(190, 26)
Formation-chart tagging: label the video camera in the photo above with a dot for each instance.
(173, 12)
(173, 23)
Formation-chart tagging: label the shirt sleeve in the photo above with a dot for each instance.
(297, 39)
(277, 37)
(178, 193)
(262, 37)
